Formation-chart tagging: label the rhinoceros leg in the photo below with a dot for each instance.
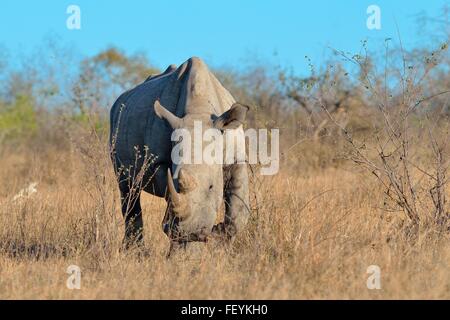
(132, 213)
(236, 197)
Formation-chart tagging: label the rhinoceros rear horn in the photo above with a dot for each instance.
(187, 181)
(165, 114)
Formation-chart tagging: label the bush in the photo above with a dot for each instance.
(18, 119)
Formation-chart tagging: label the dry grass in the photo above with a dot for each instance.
(312, 235)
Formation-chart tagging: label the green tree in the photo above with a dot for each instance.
(18, 119)
(104, 76)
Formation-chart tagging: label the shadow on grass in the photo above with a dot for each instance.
(35, 251)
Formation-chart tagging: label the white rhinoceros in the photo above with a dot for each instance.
(142, 122)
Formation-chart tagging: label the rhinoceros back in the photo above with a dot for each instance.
(134, 124)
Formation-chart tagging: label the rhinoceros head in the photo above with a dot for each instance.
(195, 190)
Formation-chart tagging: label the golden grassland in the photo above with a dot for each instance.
(312, 234)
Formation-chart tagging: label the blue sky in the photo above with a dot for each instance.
(228, 32)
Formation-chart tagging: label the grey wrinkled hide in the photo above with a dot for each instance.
(192, 93)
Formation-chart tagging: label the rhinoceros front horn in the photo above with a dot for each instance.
(174, 195)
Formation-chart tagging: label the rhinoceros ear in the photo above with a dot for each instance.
(232, 118)
(163, 113)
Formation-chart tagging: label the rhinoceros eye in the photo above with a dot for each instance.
(210, 187)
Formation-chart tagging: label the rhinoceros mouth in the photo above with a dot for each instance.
(176, 236)
(191, 237)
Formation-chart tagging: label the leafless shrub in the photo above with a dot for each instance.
(101, 180)
(405, 155)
